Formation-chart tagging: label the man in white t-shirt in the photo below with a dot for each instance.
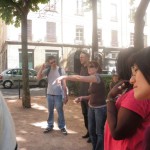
(56, 93)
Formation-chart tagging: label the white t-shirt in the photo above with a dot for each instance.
(7, 129)
(54, 88)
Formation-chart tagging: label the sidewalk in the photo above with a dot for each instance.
(30, 124)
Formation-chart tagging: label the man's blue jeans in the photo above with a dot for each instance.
(55, 101)
(96, 121)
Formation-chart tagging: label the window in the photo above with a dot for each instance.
(9, 72)
(99, 33)
(29, 30)
(145, 40)
(30, 58)
(132, 14)
(114, 38)
(32, 72)
(51, 6)
(113, 12)
(79, 33)
(79, 7)
(51, 32)
(114, 55)
(131, 39)
(145, 18)
(17, 71)
(99, 9)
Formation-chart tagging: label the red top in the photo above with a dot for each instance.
(135, 142)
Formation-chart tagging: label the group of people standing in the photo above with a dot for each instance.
(127, 105)
(93, 100)
(128, 116)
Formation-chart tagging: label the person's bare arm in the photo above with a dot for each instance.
(85, 97)
(91, 78)
(40, 74)
(123, 123)
(81, 98)
(64, 86)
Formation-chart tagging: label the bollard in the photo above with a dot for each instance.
(19, 87)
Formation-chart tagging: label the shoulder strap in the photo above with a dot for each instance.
(59, 70)
(49, 69)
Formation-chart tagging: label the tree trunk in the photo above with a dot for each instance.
(139, 24)
(94, 33)
(26, 92)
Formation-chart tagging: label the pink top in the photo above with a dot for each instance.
(136, 141)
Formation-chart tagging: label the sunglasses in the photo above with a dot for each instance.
(52, 62)
(91, 66)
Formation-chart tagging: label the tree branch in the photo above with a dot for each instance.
(16, 6)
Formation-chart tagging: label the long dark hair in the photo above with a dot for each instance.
(142, 60)
(123, 64)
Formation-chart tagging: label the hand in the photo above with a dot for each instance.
(58, 80)
(119, 88)
(43, 66)
(65, 100)
(78, 100)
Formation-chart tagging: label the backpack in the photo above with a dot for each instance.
(60, 73)
(49, 69)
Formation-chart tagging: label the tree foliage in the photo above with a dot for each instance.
(11, 10)
(16, 12)
(87, 4)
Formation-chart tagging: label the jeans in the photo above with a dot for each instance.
(55, 101)
(96, 122)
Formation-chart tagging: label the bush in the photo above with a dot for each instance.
(73, 86)
(107, 79)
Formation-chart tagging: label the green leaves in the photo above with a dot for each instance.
(11, 11)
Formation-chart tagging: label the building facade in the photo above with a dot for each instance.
(63, 27)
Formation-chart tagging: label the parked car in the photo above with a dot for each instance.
(12, 77)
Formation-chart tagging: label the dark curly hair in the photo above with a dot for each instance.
(96, 65)
(50, 58)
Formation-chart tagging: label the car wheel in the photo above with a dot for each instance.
(42, 83)
(7, 84)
